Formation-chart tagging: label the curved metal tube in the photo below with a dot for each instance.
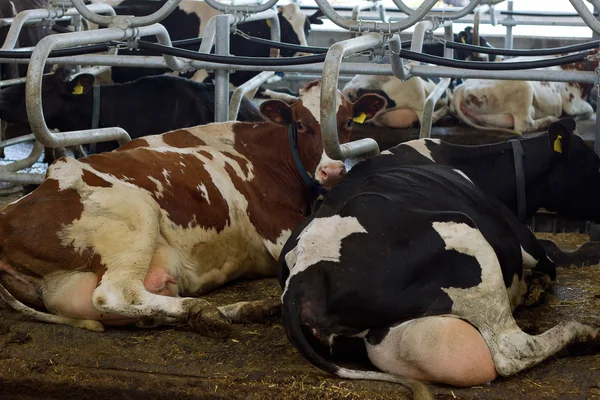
(243, 89)
(329, 91)
(586, 15)
(476, 20)
(418, 35)
(429, 106)
(356, 12)
(153, 18)
(250, 8)
(24, 16)
(371, 26)
(8, 173)
(398, 68)
(33, 86)
(439, 14)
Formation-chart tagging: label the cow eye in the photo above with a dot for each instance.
(299, 125)
(349, 123)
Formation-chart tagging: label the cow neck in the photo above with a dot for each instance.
(265, 149)
(518, 155)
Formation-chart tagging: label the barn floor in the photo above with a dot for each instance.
(257, 362)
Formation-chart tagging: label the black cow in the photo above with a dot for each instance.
(147, 106)
(417, 260)
(185, 23)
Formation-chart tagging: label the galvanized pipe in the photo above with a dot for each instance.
(329, 102)
(429, 106)
(17, 140)
(398, 68)
(40, 14)
(418, 35)
(586, 15)
(248, 9)
(222, 76)
(445, 15)
(508, 22)
(365, 5)
(243, 89)
(153, 18)
(33, 86)
(370, 26)
(476, 20)
(449, 37)
(382, 13)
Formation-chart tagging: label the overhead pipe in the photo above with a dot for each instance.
(248, 9)
(370, 26)
(586, 15)
(33, 86)
(153, 18)
(365, 5)
(243, 89)
(40, 14)
(329, 102)
(445, 15)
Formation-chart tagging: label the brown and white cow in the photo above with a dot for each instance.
(131, 236)
(521, 106)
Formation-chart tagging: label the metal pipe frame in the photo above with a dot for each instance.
(243, 89)
(8, 173)
(365, 5)
(449, 37)
(370, 26)
(479, 11)
(329, 102)
(382, 13)
(33, 86)
(445, 15)
(429, 106)
(41, 14)
(248, 9)
(153, 18)
(586, 15)
(418, 35)
(508, 22)
(222, 76)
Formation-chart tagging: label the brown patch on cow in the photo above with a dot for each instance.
(206, 154)
(133, 144)
(183, 186)
(545, 83)
(571, 97)
(242, 162)
(475, 100)
(182, 139)
(30, 231)
(311, 85)
(92, 179)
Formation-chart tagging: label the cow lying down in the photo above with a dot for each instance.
(426, 268)
(147, 106)
(133, 235)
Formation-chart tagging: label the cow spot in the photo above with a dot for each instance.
(134, 144)
(242, 162)
(94, 180)
(474, 99)
(182, 139)
(571, 97)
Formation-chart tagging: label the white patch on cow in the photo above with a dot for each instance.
(516, 292)
(458, 171)
(528, 260)
(166, 175)
(159, 187)
(275, 248)
(67, 172)
(386, 153)
(204, 192)
(321, 240)
(200, 75)
(420, 145)
(201, 9)
(297, 19)
(311, 99)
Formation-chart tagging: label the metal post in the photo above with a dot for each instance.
(418, 36)
(428, 108)
(222, 76)
(248, 9)
(508, 21)
(246, 87)
(329, 101)
(586, 15)
(449, 37)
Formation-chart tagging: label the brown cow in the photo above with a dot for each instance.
(118, 237)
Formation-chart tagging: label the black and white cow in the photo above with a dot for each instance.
(426, 267)
(147, 106)
(189, 20)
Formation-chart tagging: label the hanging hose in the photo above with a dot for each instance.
(523, 52)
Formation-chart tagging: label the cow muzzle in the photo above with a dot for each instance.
(330, 173)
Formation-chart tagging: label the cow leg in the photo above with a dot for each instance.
(433, 349)
(526, 125)
(439, 114)
(251, 311)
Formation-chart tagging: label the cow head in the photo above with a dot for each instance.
(466, 37)
(295, 26)
(574, 179)
(57, 90)
(305, 114)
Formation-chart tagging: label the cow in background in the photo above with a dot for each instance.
(133, 235)
(518, 107)
(189, 20)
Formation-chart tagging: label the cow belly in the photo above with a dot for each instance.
(398, 118)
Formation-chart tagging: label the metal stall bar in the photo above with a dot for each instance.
(429, 106)
(363, 26)
(8, 173)
(448, 37)
(153, 18)
(33, 87)
(243, 89)
(419, 34)
(586, 15)
(329, 99)
(365, 5)
(250, 8)
(439, 14)
(222, 76)
(509, 21)
(479, 11)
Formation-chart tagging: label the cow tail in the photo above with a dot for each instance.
(457, 100)
(291, 318)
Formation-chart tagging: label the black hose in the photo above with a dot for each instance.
(522, 52)
(286, 46)
(493, 66)
(235, 60)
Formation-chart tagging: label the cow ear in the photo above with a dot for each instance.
(276, 111)
(367, 106)
(314, 18)
(81, 84)
(559, 135)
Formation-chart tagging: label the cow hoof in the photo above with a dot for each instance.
(247, 312)
(207, 320)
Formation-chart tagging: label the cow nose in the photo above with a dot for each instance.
(331, 173)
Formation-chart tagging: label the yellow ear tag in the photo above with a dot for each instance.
(78, 89)
(462, 39)
(360, 119)
(268, 23)
(558, 144)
